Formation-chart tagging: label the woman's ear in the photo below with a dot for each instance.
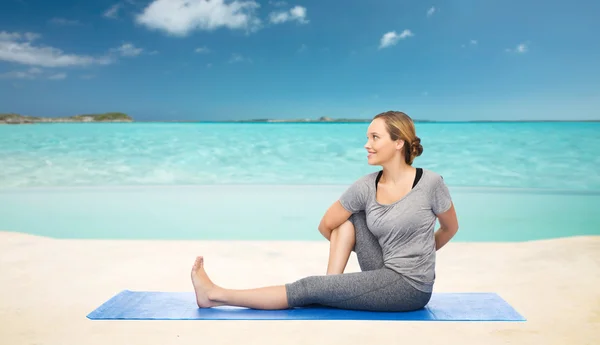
(399, 144)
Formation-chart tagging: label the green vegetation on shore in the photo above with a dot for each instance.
(106, 117)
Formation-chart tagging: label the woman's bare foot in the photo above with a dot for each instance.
(202, 285)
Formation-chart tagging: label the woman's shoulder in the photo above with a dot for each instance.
(358, 194)
(431, 177)
(437, 191)
(431, 173)
(368, 178)
(366, 181)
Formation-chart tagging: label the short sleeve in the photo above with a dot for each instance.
(440, 196)
(354, 199)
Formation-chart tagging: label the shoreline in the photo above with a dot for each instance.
(546, 281)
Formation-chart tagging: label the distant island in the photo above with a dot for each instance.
(106, 117)
(121, 117)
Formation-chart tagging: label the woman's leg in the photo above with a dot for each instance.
(367, 248)
(341, 243)
(354, 235)
(208, 294)
(375, 290)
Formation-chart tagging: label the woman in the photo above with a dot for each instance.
(387, 218)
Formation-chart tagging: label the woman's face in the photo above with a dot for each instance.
(380, 146)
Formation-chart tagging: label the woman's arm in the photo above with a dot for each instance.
(448, 227)
(335, 216)
(352, 200)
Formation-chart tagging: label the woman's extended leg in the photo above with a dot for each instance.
(376, 290)
(354, 235)
(208, 294)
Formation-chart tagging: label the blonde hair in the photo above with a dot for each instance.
(401, 126)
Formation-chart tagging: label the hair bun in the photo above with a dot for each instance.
(416, 149)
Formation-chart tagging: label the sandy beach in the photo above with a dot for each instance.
(48, 286)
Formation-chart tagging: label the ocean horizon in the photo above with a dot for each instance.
(314, 121)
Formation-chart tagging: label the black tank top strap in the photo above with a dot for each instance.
(417, 177)
(378, 178)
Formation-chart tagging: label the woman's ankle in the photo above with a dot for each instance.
(217, 295)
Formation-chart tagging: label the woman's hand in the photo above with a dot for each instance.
(335, 216)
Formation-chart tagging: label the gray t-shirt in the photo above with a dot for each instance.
(405, 229)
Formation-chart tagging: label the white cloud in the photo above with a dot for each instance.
(471, 42)
(9, 36)
(128, 49)
(180, 17)
(16, 75)
(58, 76)
(112, 12)
(431, 11)
(297, 13)
(278, 3)
(35, 70)
(278, 17)
(202, 50)
(519, 49)
(18, 48)
(63, 21)
(391, 38)
(31, 74)
(238, 58)
(30, 36)
(16, 36)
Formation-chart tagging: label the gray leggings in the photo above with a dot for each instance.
(376, 288)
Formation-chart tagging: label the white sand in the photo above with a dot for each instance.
(48, 286)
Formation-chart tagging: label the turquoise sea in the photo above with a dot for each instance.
(246, 181)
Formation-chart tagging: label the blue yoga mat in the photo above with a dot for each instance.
(146, 305)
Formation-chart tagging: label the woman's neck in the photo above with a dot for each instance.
(396, 172)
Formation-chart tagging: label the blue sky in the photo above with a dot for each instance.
(222, 60)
